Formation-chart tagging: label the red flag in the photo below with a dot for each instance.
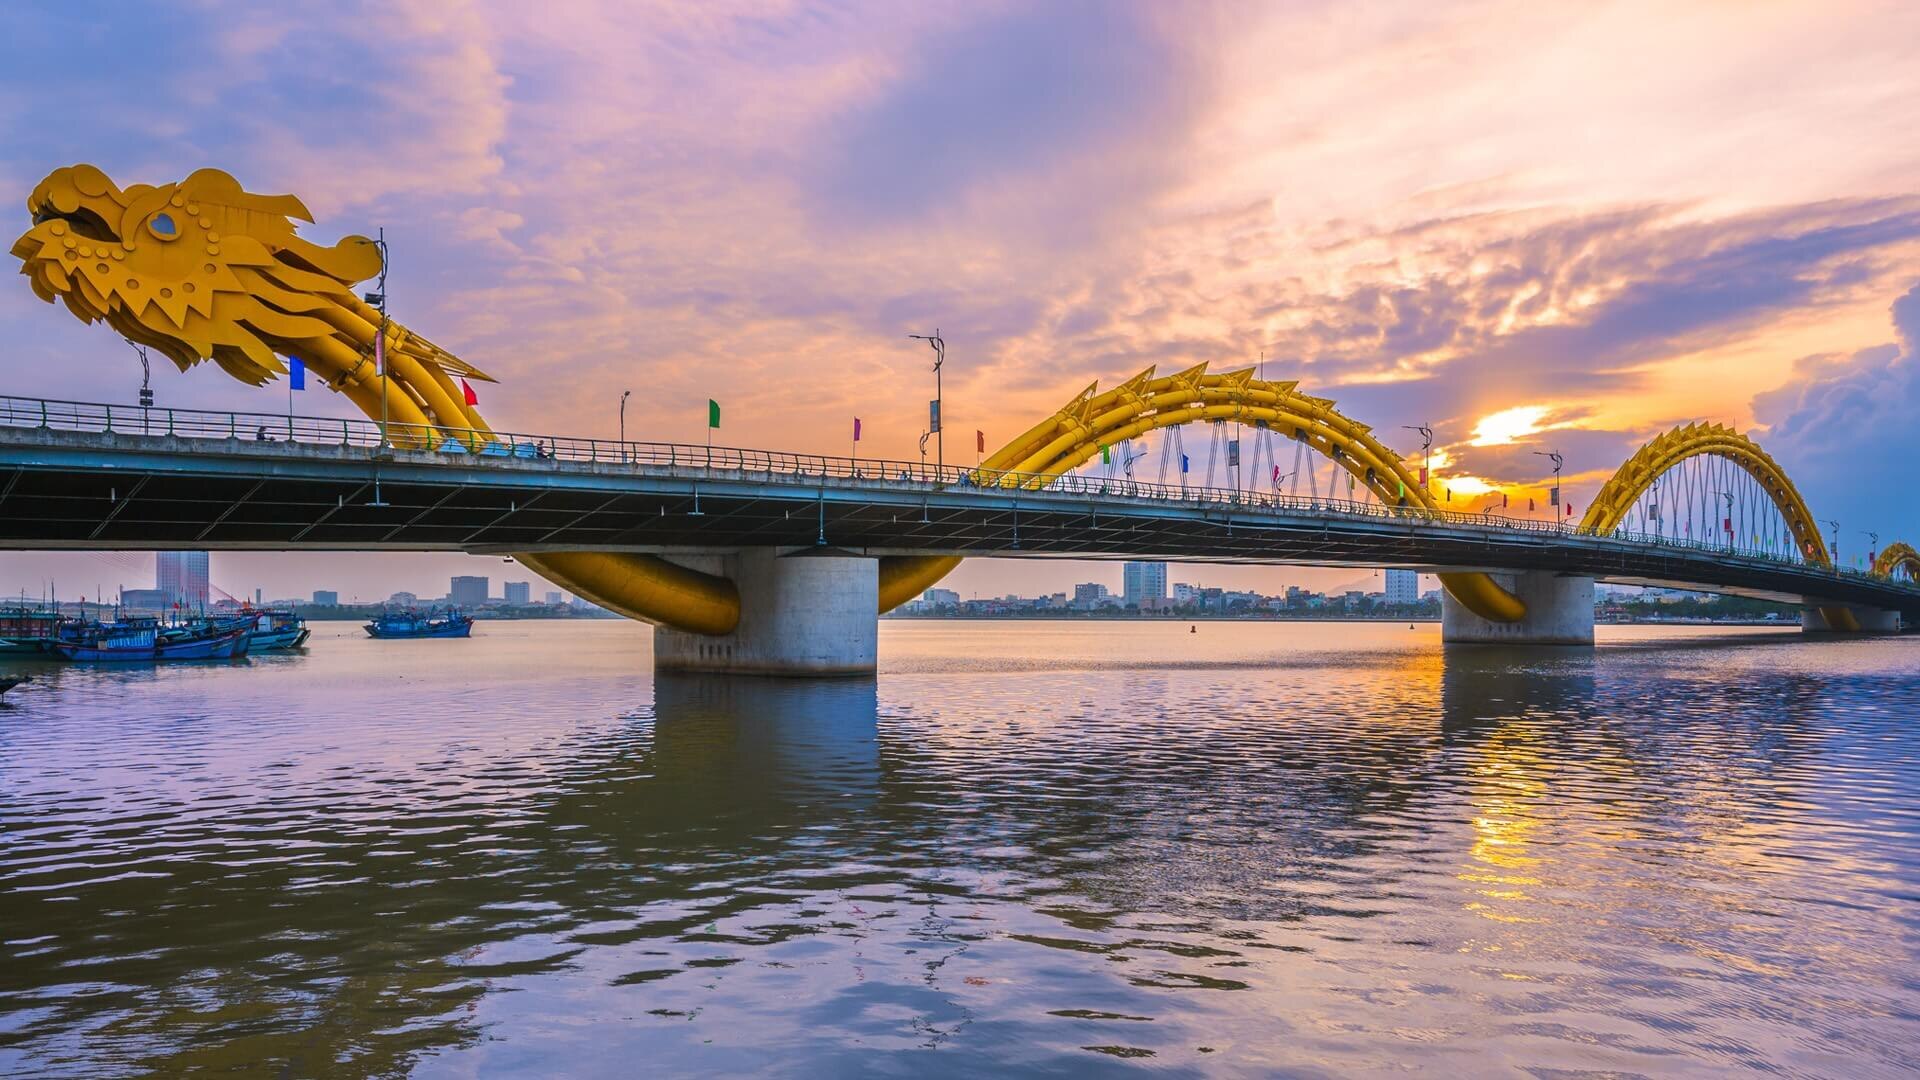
(980, 441)
(1423, 476)
(856, 429)
(466, 390)
(1529, 504)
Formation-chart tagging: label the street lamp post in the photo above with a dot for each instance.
(1426, 451)
(934, 426)
(624, 395)
(1833, 552)
(378, 298)
(1554, 501)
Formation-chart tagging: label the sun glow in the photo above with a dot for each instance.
(1498, 429)
(1468, 485)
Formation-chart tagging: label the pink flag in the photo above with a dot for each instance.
(856, 429)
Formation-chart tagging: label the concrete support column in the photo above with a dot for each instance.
(1559, 612)
(799, 615)
(1819, 618)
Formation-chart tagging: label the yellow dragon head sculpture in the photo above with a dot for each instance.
(206, 270)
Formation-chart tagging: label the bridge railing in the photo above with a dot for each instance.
(465, 446)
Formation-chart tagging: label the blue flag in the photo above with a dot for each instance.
(1183, 463)
(296, 373)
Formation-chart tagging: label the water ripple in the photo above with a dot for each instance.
(1025, 848)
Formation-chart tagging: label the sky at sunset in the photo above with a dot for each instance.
(1535, 226)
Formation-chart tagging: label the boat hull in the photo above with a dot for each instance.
(289, 638)
(231, 645)
(458, 630)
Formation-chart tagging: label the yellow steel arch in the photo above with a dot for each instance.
(1609, 508)
(1074, 435)
(1896, 556)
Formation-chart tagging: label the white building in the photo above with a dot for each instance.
(1403, 587)
(939, 598)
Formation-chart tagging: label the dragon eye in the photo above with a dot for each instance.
(162, 226)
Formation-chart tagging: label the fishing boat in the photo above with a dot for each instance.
(413, 624)
(27, 630)
(277, 631)
(137, 640)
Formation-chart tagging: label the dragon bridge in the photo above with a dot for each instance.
(203, 270)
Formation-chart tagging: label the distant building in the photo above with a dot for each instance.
(554, 599)
(403, 600)
(941, 598)
(1355, 600)
(468, 591)
(1184, 593)
(1403, 587)
(1089, 594)
(326, 598)
(182, 575)
(1143, 584)
(145, 599)
(519, 592)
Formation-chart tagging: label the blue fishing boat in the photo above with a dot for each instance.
(276, 631)
(412, 624)
(137, 640)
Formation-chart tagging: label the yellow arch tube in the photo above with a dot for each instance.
(1895, 556)
(1669, 448)
(644, 587)
(903, 577)
(1484, 597)
(1143, 403)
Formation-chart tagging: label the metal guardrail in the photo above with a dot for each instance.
(464, 445)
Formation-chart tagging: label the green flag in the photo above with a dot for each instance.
(1106, 456)
(713, 413)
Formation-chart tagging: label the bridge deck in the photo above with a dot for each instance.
(77, 489)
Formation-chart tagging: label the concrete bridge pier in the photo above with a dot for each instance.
(1559, 612)
(1822, 618)
(800, 614)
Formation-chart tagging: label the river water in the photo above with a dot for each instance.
(1025, 849)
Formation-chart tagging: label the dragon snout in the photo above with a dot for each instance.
(82, 196)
